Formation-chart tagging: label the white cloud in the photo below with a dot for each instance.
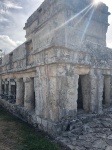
(5, 5)
(10, 4)
(2, 19)
(19, 42)
(109, 44)
(6, 39)
(7, 44)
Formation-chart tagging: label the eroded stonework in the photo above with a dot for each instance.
(63, 66)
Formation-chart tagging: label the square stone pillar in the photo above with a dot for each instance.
(107, 87)
(93, 93)
(67, 90)
(96, 93)
(29, 100)
(9, 94)
(19, 92)
(56, 92)
(63, 92)
(41, 84)
(100, 85)
(85, 92)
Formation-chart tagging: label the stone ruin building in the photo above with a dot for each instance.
(63, 66)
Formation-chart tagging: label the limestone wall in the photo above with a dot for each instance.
(87, 54)
(44, 13)
(15, 60)
(19, 53)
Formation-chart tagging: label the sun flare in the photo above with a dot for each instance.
(96, 2)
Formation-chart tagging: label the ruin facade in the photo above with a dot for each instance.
(63, 66)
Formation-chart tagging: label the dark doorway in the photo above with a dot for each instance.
(7, 89)
(80, 97)
(13, 93)
(103, 101)
(3, 89)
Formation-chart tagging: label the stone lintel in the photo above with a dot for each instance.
(27, 79)
(19, 79)
(82, 70)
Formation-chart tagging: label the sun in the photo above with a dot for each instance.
(96, 2)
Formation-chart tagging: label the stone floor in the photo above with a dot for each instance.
(89, 132)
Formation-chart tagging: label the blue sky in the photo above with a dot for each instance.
(13, 15)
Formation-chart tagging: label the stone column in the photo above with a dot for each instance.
(56, 92)
(93, 93)
(100, 84)
(72, 95)
(19, 92)
(96, 93)
(9, 94)
(29, 93)
(85, 92)
(63, 94)
(107, 83)
(63, 91)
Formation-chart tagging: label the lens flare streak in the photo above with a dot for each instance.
(90, 17)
